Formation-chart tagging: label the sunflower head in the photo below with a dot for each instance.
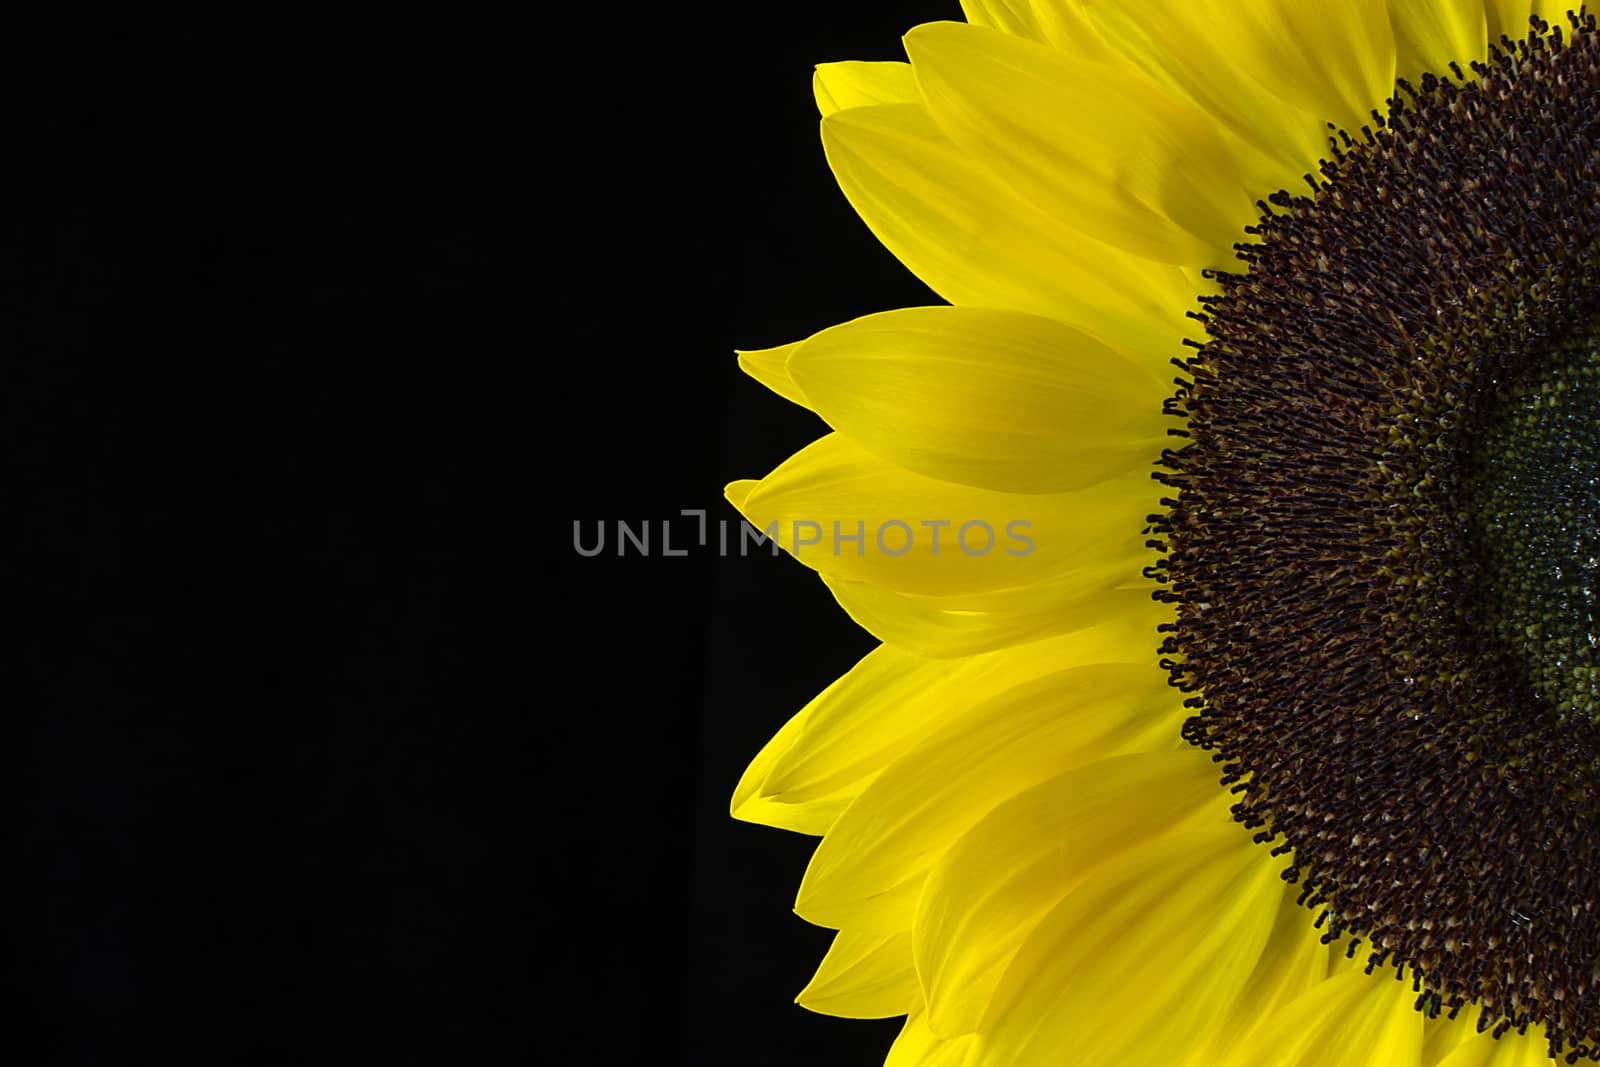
(1382, 544)
(1366, 234)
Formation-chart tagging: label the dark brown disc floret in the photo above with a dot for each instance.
(1383, 537)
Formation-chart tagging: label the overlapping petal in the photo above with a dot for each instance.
(1189, 47)
(977, 241)
(754, 801)
(865, 975)
(1107, 150)
(892, 699)
(1333, 60)
(997, 882)
(986, 398)
(845, 512)
(839, 86)
(1511, 1050)
(1509, 18)
(903, 821)
(918, 1046)
(1142, 955)
(1292, 962)
(1430, 36)
(968, 625)
(770, 367)
(1062, 26)
(1349, 1020)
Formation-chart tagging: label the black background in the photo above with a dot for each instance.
(327, 745)
(259, 337)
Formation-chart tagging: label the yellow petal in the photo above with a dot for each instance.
(1102, 148)
(1430, 34)
(986, 894)
(1293, 961)
(1555, 12)
(1050, 22)
(769, 366)
(838, 86)
(860, 723)
(900, 824)
(1512, 1050)
(1352, 1020)
(865, 975)
(1333, 60)
(753, 802)
(1509, 18)
(1506, 18)
(1144, 954)
(826, 754)
(940, 627)
(810, 817)
(851, 515)
(977, 242)
(756, 773)
(1188, 46)
(994, 399)
(892, 699)
(1442, 1035)
(918, 1046)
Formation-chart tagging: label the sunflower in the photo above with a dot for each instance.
(1232, 538)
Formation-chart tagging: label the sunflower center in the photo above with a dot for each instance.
(1382, 538)
(1534, 508)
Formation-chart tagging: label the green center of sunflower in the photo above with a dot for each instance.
(1533, 505)
(1382, 537)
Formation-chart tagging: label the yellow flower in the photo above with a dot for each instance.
(1209, 703)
